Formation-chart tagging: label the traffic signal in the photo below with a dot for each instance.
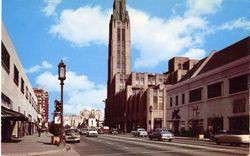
(58, 106)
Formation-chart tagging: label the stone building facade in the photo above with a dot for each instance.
(18, 101)
(214, 95)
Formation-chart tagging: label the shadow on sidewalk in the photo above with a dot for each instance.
(12, 141)
(45, 143)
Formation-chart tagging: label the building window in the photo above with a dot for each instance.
(214, 90)
(16, 75)
(118, 34)
(155, 99)
(160, 99)
(171, 102)
(27, 93)
(5, 58)
(30, 98)
(195, 95)
(238, 84)
(176, 100)
(179, 66)
(183, 98)
(239, 105)
(22, 85)
(123, 34)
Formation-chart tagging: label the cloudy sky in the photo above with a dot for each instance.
(46, 31)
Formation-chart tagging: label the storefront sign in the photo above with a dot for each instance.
(239, 105)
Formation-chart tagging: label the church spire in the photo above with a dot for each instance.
(119, 10)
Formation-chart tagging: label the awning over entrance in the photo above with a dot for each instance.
(13, 115)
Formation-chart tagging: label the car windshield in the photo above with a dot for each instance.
(92, 129)
(162, 130)
(141, 129)
(71, 131)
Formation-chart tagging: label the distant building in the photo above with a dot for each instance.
(43, 104)
(214, 94)
(92, 121)
(19, 110)
(72, 121)
(96, 114)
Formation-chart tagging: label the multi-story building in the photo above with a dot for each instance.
(72, 120)
(172, 99)
(18, 101)
(214, 94)
(43, 104)
(135, 99)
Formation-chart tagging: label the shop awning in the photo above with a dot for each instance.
(12, 115)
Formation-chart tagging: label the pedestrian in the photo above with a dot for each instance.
(39, 130)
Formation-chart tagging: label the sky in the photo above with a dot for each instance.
(45, 31)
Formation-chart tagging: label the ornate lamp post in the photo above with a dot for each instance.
(61, 77)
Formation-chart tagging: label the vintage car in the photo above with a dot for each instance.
(72, 135)
(233, 138)
(83, 131)
(113, 131)
(92, 132)
(140, 132)
(161, 134)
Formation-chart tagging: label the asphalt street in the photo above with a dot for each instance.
(113, 145)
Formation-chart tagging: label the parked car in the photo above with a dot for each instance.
(72, 135)
(106, 129)
(233, 138)
(92, 132)
(84, 131)
(113, 131)
(100, 131)
(161, 134)
(140, 132)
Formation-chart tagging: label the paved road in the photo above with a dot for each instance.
(113, 145)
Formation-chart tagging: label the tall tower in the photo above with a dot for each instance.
(119, 45)
(118, 58)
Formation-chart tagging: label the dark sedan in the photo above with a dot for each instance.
(161, 134)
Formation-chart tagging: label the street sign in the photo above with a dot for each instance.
(57, 119)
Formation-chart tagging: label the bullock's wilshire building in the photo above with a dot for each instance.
(214, 94)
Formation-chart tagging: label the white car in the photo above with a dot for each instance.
(233, 138)
(72, 135)
(92, 132)
(161, 134)
(141, 132)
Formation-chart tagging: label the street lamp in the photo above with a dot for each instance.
(61, 77)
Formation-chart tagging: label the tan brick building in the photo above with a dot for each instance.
(43, 104)
(135, 99)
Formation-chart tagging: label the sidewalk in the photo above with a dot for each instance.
(34, 145)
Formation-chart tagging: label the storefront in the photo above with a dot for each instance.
(240, 123)
(12, 125)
